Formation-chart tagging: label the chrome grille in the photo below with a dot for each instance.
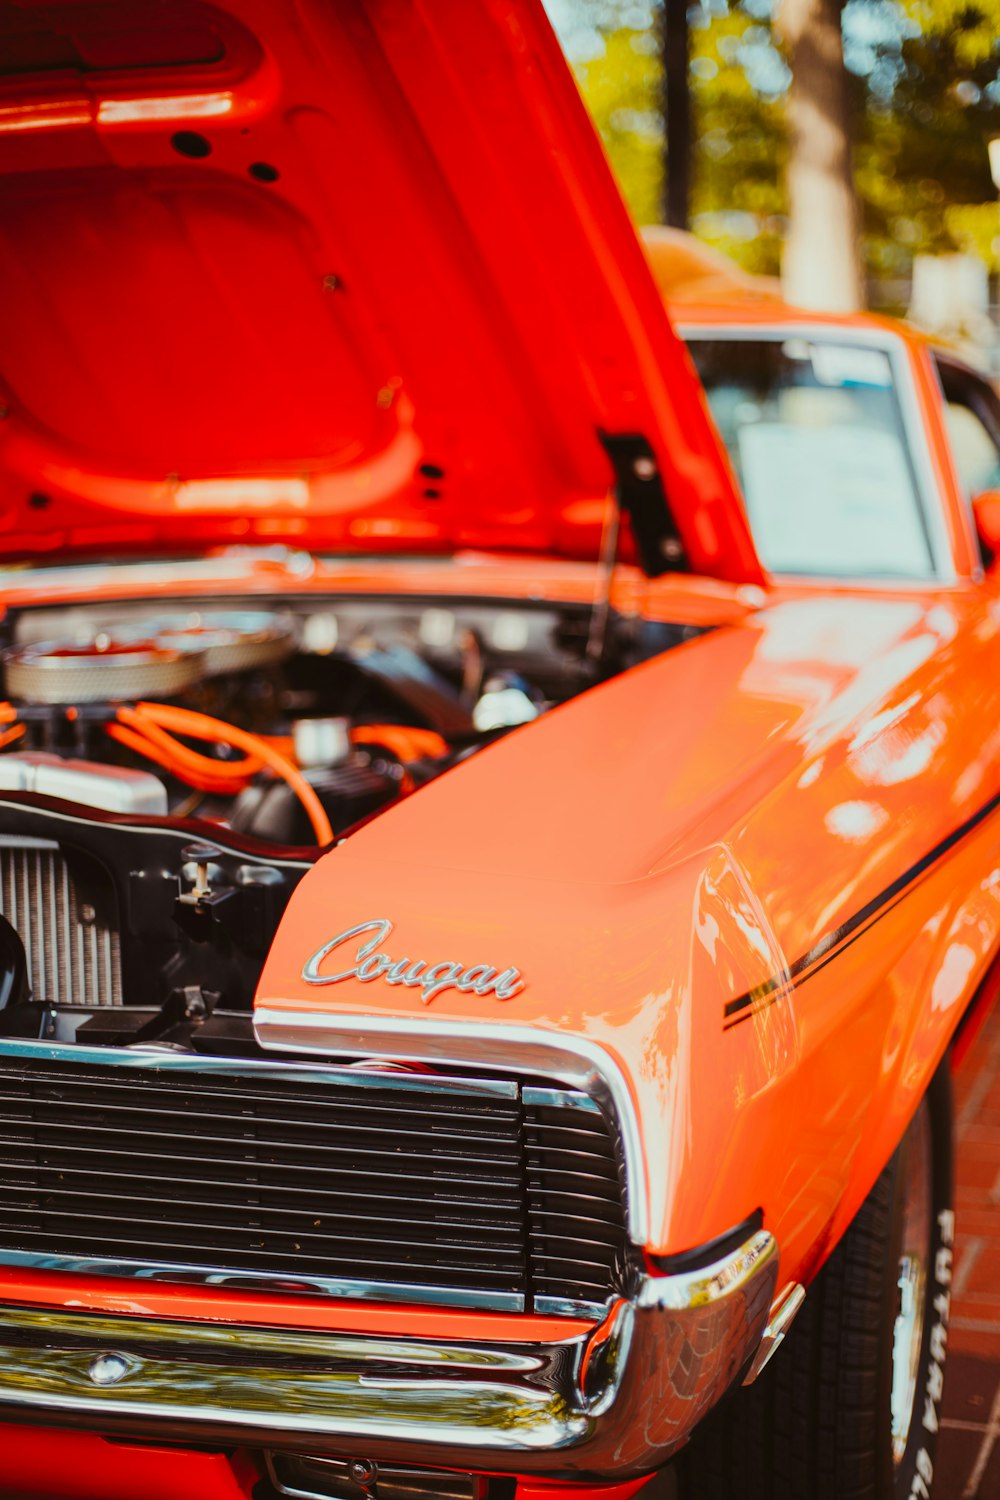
(575, 1238)
(456, 1192)
(71, 945)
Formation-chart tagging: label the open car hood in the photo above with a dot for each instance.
(351, 274)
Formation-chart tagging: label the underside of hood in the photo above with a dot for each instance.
(351, 274)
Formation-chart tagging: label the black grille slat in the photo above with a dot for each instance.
(451, 1180)
(472, 1258)
(447, 1168)
(293, 1263)
(423, 1106)
(257, 1117)
(440, 1199)
(576, 1237)
(409, 1190)
(63, 1198)
(257, 1107)
(435, 1210)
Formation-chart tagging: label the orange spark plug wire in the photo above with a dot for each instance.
(236, 772)
(404, 741)
(197, 726)
(191, 777)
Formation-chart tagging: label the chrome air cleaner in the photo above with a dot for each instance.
(105, 670)
(229, 640)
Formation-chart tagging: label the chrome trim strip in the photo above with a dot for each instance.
(567, 1307)
(293, 1285)
(582, 1064)
(784, 1311)
(190, 1062)
(709, 1284)
(561, 1099)
(617, 1401)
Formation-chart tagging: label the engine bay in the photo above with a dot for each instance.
(169, 773)
(286, 725)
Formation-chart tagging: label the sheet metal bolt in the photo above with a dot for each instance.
(362, 1471)
(107, 1369)
(644, 468)
(87, 914)
(388, 393)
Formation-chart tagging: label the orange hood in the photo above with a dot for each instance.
(351, 274)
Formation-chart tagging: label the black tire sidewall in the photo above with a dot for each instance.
(914, 1477)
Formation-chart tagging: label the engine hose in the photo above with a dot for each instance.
(197, 726)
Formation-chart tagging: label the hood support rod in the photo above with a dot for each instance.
(597, 635)
(638, 491)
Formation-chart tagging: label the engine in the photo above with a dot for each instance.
(167, 778)
(195, 713)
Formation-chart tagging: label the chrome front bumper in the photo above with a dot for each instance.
(617, 1401)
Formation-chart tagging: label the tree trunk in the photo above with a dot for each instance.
(821, 266)
(675, 52)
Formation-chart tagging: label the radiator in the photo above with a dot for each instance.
(71, 943)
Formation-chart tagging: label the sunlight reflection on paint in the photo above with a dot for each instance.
(950, 980)
(178, 107)
(44, 117)
(856, 821)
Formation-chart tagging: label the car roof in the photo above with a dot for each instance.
(702, 286)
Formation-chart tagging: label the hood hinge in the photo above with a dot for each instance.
(638, 493)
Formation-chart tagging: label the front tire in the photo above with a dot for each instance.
(848, 1408)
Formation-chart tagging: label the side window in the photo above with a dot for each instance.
(816, 432)
(972, 412)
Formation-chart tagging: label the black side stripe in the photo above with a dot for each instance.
(838, 938)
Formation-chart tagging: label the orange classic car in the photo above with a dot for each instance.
(487, 913)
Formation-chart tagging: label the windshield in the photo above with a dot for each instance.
(816, 435)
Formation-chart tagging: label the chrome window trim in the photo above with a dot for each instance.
(583, 1065)
(937, 358)
(944, 572)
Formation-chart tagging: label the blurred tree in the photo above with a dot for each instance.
(929, 98)
(924, 90)
(675, 54)
(820, 266)
(738, 82)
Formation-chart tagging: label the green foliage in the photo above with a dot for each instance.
(921, 153)
(622, 90)
(971, 27)
(926, 76)
(738, 197)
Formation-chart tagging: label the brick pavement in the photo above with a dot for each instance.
(969, 1447)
